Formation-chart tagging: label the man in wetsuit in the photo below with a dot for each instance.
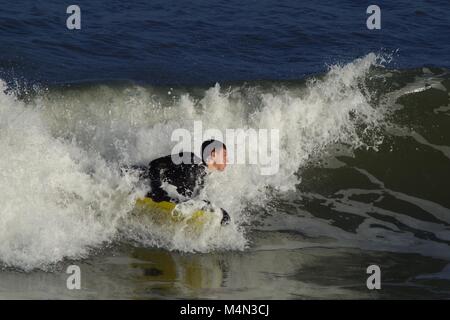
(180, 177)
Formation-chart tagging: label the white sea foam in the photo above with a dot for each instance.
(61, 191)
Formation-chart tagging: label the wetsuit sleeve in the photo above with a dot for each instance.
(154, 175)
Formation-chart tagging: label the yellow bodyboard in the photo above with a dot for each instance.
(165, 212)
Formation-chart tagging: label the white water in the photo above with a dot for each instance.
(61, 193)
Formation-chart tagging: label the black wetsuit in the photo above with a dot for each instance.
(188, 178)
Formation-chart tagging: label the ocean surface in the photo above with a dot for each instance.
(364, 122)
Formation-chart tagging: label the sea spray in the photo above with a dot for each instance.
(62, 190)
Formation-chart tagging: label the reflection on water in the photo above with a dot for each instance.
(264, 273)
(165, 272)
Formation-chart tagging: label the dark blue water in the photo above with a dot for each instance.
(201, 42)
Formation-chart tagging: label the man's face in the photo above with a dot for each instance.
(219, 158)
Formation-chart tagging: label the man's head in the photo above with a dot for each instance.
(214, 155)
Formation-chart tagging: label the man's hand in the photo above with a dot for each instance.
(225, 216)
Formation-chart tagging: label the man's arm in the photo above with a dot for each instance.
(154, 176)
